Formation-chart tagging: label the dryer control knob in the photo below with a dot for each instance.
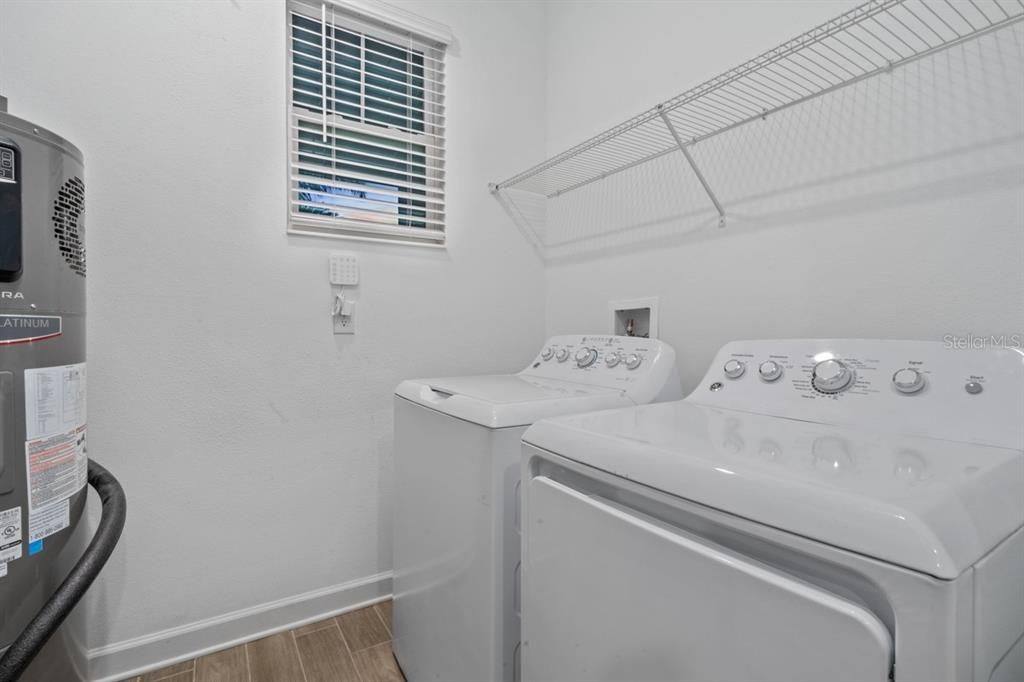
(562, 354)
(770, 370)
(734, 369)
(585, 357)
(547, 353)
(832, 376)
(633, 360)
(612, 359)
(908, 380)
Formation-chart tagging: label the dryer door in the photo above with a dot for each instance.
(612, 594)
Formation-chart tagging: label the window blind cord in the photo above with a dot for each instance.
(323, 69)
(334, 148)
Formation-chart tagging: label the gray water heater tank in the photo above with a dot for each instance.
(43, 458)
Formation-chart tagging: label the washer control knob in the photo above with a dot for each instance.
(585, 357)
(832, 376)
(770, 370)
(734, 369)
(612, 359)
(547, 354)
(633, 360)
(908, 380)
(562, 354)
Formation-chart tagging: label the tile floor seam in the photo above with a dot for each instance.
(348, 649)
(356, 666)
(309, 632)
(298, 654)
(381, 619)
(373, 608)
(248, 667)
(167, 677)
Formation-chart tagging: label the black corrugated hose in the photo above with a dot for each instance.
(20, 654)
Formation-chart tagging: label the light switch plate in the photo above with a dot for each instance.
(344, 269)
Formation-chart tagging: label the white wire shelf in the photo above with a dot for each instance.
(874, 38)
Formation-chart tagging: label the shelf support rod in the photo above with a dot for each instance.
(693, 165)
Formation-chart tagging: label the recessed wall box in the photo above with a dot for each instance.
(635, 317)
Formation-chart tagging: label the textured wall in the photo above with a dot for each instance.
(255, 447)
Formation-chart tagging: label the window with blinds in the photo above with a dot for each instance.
(366, 151)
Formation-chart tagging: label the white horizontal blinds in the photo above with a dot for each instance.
(367, 126)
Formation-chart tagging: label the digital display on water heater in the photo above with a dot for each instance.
(7, 169)
(10, 215)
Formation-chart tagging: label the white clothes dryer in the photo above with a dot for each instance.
(817, 510)
(457, 464)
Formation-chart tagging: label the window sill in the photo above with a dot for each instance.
(313, 230)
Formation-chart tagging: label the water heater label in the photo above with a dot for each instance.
(25, 328)
(54, 400)
(49, 520)
(10, 535)
(55, 452)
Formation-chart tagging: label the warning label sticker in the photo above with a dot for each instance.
(10, 535)
(48, 521)
(57, 466)
(55, 452)
(3, 569)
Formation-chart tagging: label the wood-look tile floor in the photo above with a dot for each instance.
(353, 647)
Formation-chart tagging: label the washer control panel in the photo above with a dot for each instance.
(924, 387)
(624, 362)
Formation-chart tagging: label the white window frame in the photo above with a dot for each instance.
(369, 15)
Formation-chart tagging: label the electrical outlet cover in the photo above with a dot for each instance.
(345, 324)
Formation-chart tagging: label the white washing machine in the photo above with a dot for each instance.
(457, 463)
(816, 510)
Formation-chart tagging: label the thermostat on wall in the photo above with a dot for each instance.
(344, 269)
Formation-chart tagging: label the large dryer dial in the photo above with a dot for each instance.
(832, 376)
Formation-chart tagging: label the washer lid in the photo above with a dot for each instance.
(930, 505)
(504, 400)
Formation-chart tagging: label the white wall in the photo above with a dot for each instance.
(255, 447)
(917, 234)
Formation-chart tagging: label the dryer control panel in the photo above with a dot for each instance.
(644, 368)
(934, 389)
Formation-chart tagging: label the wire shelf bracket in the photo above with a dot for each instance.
(873, 38)
(693, 165)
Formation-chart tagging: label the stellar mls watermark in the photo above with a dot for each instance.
(975, 341)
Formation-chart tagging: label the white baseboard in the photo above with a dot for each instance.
(136, 656)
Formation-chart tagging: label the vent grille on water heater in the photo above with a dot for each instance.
(67, 210)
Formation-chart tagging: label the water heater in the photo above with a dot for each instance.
(43, 460)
